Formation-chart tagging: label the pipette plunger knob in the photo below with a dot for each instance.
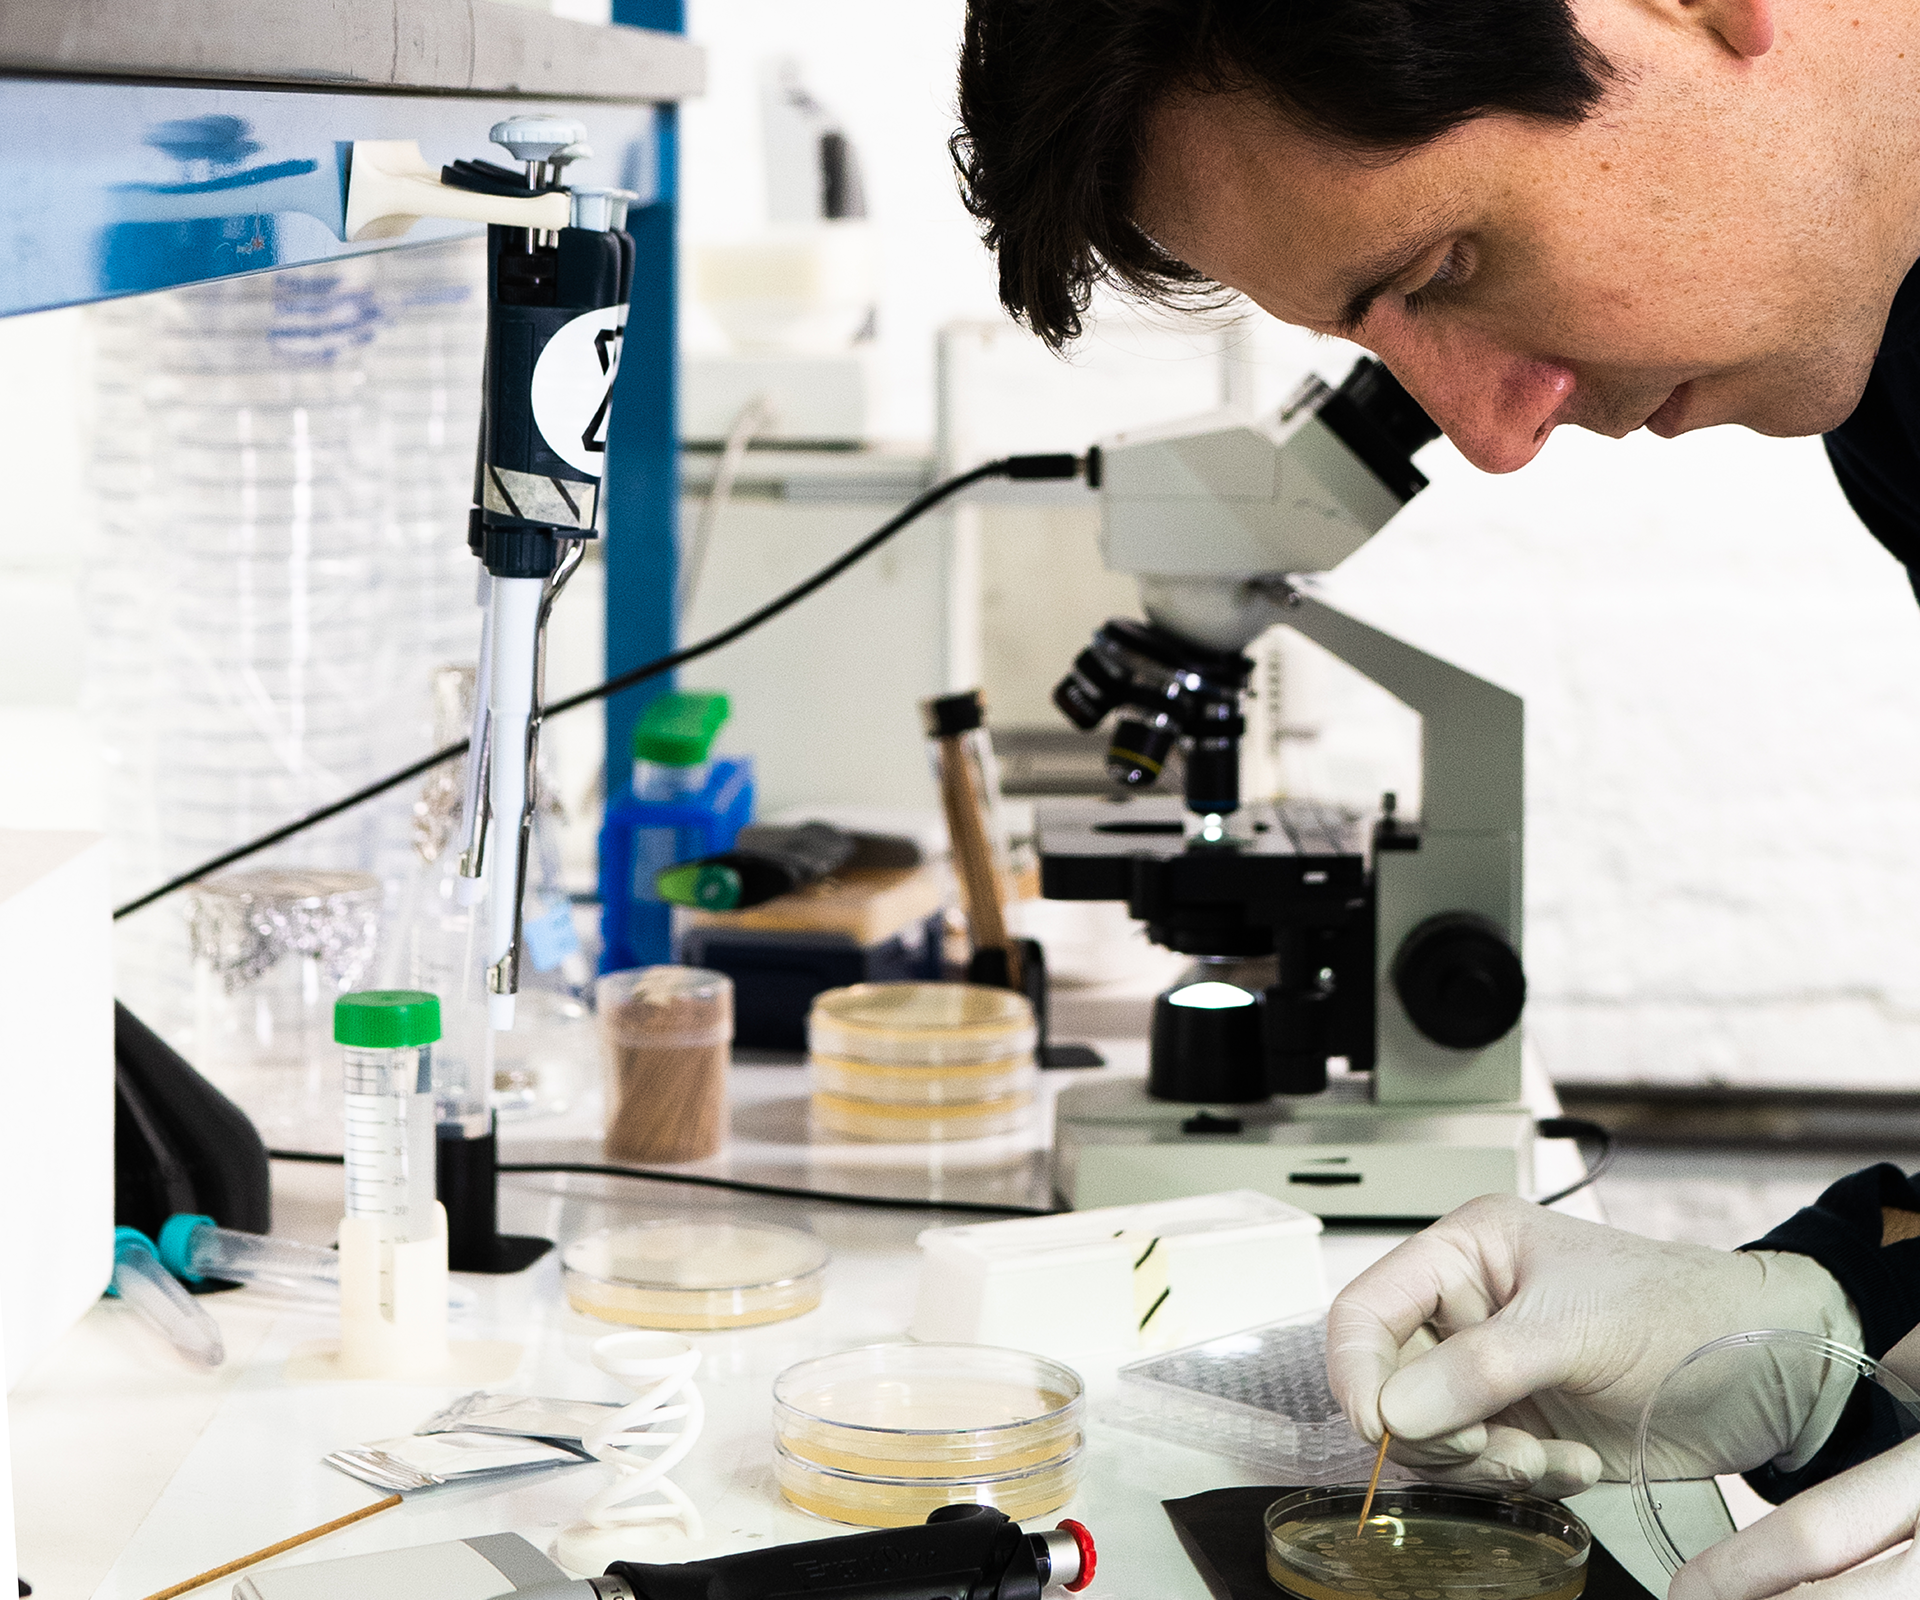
(535, 138)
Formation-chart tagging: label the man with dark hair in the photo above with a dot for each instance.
(1616, 214)
(1634, 213)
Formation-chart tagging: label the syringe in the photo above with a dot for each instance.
(144, 1284)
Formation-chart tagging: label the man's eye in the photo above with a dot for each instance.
(1452, 269)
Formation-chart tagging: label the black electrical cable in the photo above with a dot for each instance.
(1577, 1128)
(778, 1191)
(1022, 467)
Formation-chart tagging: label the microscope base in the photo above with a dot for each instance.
(1337, 1155)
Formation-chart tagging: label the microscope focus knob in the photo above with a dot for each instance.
(536, 138)
(1460, 980)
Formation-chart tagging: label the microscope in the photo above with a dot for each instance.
(1392, 949)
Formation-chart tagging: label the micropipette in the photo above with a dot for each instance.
(144, 1284)
(556, 303)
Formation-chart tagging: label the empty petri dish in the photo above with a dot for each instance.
(684, 1274)
(921, 1024)
(934, 1411)
(1425, 1541)
(870, 1501)
(1767, 1398)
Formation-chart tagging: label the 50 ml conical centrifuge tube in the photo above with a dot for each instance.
(196, 1248)
(144, 1284)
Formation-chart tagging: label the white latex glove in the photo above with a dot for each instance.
(1819, 1537)
(1511, 1345)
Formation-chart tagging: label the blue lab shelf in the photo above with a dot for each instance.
(186, 141)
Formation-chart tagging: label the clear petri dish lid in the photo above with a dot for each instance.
(697, 1257)
(1773, 1396)
(930, 1024)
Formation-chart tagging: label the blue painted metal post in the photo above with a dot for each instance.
(643, 435)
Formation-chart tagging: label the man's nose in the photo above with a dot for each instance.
(1496, 406)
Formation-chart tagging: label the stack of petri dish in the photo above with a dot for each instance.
(882, 1436)
(679, 1274)
(920, 1062)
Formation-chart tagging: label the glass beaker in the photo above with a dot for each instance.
(273, 949)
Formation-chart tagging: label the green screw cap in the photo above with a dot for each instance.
(386, 1019)
(677, 730)
(712, 886)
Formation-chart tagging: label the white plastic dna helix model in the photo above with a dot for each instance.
(642, 1442)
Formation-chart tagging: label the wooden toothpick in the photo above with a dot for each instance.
(1373, 1483)
(274, 1549)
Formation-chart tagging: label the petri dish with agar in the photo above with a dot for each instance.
(1770, 1397)
(921, 1024)
(880, 1123)
(920, 1063)
(883, 1435)
(681, 1274)
(878, 1502)
(1425, 1541)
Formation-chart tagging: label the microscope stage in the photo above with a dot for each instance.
(1087, 846)
(1336, 1154)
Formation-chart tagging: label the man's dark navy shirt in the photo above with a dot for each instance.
(1876, 451)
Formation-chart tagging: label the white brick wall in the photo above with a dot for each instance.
(1722, 675)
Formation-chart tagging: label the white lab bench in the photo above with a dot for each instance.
(133, 1472)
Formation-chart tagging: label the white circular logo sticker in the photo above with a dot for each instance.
(573, 387)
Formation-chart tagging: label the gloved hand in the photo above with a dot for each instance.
(1511, 1345)
(1819, 1534)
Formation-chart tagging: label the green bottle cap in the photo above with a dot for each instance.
(386, 1019)
(678, 729)
(708, 885)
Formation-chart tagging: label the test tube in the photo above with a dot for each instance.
(144, 1284)
(389, 1036)
(196, 1248)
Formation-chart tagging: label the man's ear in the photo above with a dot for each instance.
(1744, 26)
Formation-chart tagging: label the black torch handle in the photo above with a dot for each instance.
(967, 1553)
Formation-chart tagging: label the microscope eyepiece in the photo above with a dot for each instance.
(1375, 418)
(1379, 396)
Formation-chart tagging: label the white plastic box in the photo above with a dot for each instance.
(56, 1086)
(1121, 1278)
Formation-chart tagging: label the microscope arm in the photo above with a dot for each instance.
(1472, 734)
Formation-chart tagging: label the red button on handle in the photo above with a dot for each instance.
(1089, 1558)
